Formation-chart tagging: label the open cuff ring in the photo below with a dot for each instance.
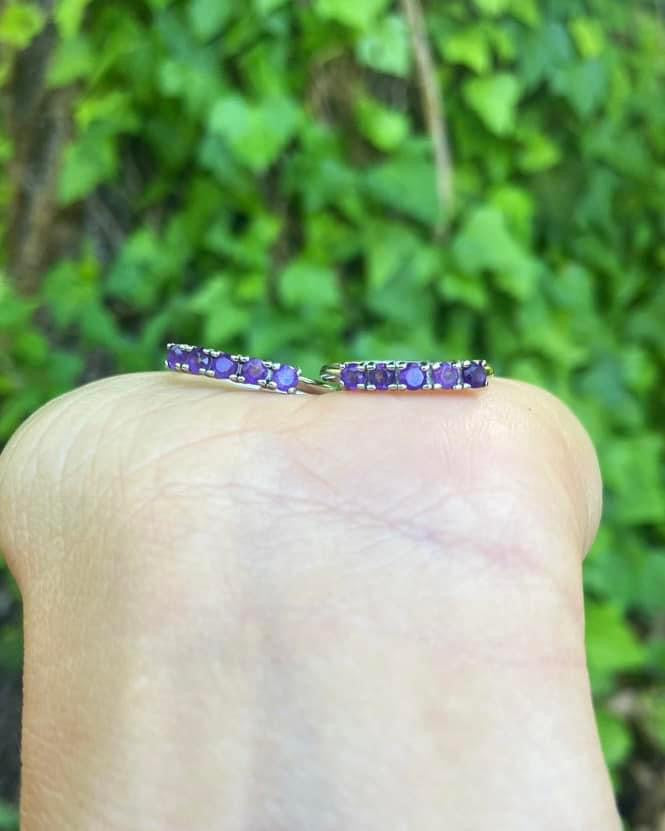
(350, 375)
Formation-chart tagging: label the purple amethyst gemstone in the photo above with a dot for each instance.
(474, 375)
(174, 356)
(205, 362)
(253, 371)
(412, 376)
(286, 377)
(192, 359)
(224, 367)
(447, 375)
(353, 376)
(381, 377)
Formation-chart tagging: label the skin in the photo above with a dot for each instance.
(247, 611)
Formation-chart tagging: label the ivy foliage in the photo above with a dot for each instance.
(260, 176)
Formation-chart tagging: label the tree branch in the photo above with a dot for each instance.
(433, 106)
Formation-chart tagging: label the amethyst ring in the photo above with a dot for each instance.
(407, 375)
(350, 375)
(240, 369)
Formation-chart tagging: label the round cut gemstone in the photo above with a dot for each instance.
(474, 375)
(353, 376)
(253, 371)
(175, 355)
(412, 376)
(205, 362)
(224, 366)
(286, 377)
(192, 359)
(447, 375)
(381, 377)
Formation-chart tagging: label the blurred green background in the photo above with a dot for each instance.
(271, 177)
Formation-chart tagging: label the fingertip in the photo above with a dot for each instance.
(557, 435)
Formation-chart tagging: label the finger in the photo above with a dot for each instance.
(246, 610)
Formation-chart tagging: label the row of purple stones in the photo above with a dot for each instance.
(413, 375)
(238, 368)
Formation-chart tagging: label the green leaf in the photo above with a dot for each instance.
(634, 469)
(588, 36)
(6, 149)
(19, 407)
(504, 42)
(539, 152)
(385, 47)
(584, 84)
(611, 571)
(494, 99)
(525, 10)
(306, 284)
(9, 817)
(224, 317)
(615, 738)
(405, 183)
(396, 252)
(468, 47)
(485, 242)
(88, 162)
(69, 15)
(492, 7)
(70, 288)
(265, 7)
(73, 59)
(358, 15)
(516, 204)
(11, 654)
(544, 53)
(208, 17)
(460, 288)
(612, 646)
(256, 133)
(654, 704)
(651, 596)
(111, 112)
(404, 307)
(386, 129)
(330, 238)
(20, 23)
(141, 266)
(196, 85)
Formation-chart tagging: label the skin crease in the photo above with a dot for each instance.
(247, 611)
